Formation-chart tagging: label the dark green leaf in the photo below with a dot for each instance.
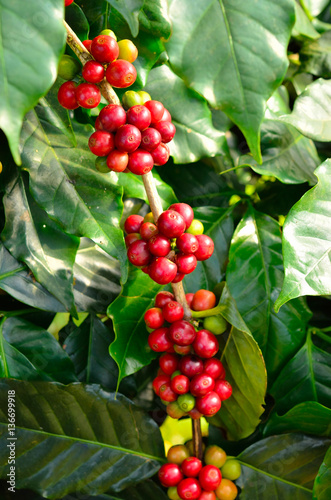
(322, 484)
(211, 48)
(32, 353)
(315, 56)
(154, 18)
(254, 277)
(307, 242)
(281, 467)
(195, 134)
(77, 21)
(306, 377)
(32, 39)
(149, 50)
(130, 10)
(65, 429)
(309, 417)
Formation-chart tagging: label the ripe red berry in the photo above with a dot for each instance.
(98, 124)
(158, 340)
(168, 362)
(117, 161)
(201, 384)
(171, 224)
(159, 381)
(223, 389)
(127, 138)
(162, 270)
(180, 384)
(133, 223)
(67, 95)
(159, 245)
(179, 277)
(121, 74)
(208, 495)
(140, 162)
(138, 253)
(101, 143)
(166, 393)
(189, 489)
(112, 117)
(68, 2)
(209, 405)
(187, 243)
(154, 318)
(185, 211)
(173, 311)
(104, 49)
(87, 44)
(170, 475)
(166, 129)
(205, 344)
(131, 238)
(203, 300)
(210, 477)
(191, 365)
(189, 298)
(206, 247)
(182, 333)
(88, 95)
(195, 414)
(147, 230)
(139, 116)
(186, 263)
(162, 298)
(150, 139)
(166, 117)
(214, 368)
(183, 350)
(93, 72)
(191, 466)
(156, 109)
(161, 154)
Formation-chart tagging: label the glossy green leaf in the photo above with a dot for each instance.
(255, 277)
(130, 10)
(18, 281)
(64, 429)
(311, 113)
(307, 242)
(309, 417)
(286, 154)
(31, 353)
(306, 377)
(211, 48)
(31, 236)
(281, 467)
(314, 7)
(195, 134)
(315, 57)
(32, 39)
(303, 27)
(219, 225)
(322, 484)
(154, 18)
(77, 21)
(149, 48)
(130, 349)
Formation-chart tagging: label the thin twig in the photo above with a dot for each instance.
(197, 438)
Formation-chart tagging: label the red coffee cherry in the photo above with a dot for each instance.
(183, 350)
(210, 477)
(191, 467)
(98, 124)
(223, 389)
(154, 319)
(112, 117)
(131, 238)
(173, 311)
(206, 247)
(150, 139)
(180, 384)
(209, 405)
(166, 117)
(168, 362)
(185, 211)
(203, 300)
(87, 44)
(121, 74)
(156, 109)
(161, 154)
(140, 162)
(68, 2)
(88, 95)
(187, 243)
(207, 495)
(166, 393)
(195, 414)
(159, 381)
(159, 245)
(139, 116)
(93, 72)
(147, 230)
(104, 49)
(158, 340)
(201, 384)
(133, 223)
(67, 95)
(182, 333)
(189, 489)
(171, 224)
(127, 138)
(214, 368)
(170, 475)
(166, 129)
(162, 270)
(205, 344)
(179, 277)
(117, 161)
(189, 298)
(186, 263)
(101, 143)
(191, 365)
(138, 253)
(162, 298)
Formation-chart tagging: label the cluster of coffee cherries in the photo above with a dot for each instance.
(134, 140)
(191, 380)
(188, 478)
(112, 60)
(169, 249)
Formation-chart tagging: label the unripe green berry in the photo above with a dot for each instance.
(68, 67)
(144, 96)
(131, 98)
(186, 402)
(172, 493)
(149, 217)
(108, 33)
(214, 455)
(177, 372)
(101, 164)
(231, 469)
(196, 227)
(215, 324)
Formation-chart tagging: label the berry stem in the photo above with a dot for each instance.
(208, 312)
(197, 438)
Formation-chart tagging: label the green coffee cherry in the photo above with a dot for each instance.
(196, 227)
(68, 67)
(108, 33)
(172, 493)
(186, 402)
(149, 217)
(101, 164)
(231, 469)
(131, 98)
(214, 455)
(215, 324)
(144, 96)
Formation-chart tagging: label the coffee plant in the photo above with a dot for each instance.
(165, 242)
